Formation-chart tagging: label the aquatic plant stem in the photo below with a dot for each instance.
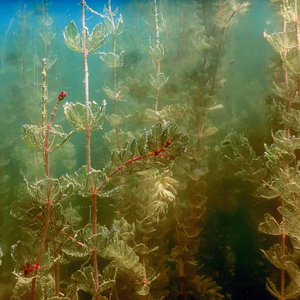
(145, 274)
(224, 27)
(3, 44)
(157, 62)
(86, 88)
(57, 268)
(48, 200)
(24, 38)
(153, 153)
(114, 36)
(298, 44)
(88, 147)
(288, 105)
(115, 92)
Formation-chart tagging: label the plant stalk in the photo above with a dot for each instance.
(48, 207)
(157, 62)
(114, 35)
(224, 27)
(88, 147)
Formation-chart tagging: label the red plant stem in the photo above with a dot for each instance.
(153, 153)
(145, 274)
(88, 147)
(71, 238)
(68, 236)
(48, 208)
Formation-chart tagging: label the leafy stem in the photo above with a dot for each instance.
(134, 159)
(88, 144)
(61, 96)
(220, 45)
(157, 62)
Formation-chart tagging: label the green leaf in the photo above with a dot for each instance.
(117, 95)
(24, 256)
(113, 27)
(108, 12)
(83, 185)
(124, 257)
(119, 25)
(274, 255)
(271, 287)
(34, 137)
(85, 280)
(229, 11)
(210, 131)
(292, 291)
(74, 247)
(114, 120)
(96, 39)
(123, 229)
(76, 114)
(112, 60)
(47, 37)
(45, 20)
(158, 81)
(29, 213)
(270, 226)
(157, 52)
(267, 191)
(74, 40)
(21, 254)
(143, 249)
(72, 37)
(154, 149)
(292, 120)
(143, 290)
(101, 239)
(275, 40)
(49, 187)
(248, 166)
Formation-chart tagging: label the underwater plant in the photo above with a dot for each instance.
(40, 211)
(275, 175)
(113, 60)
(132, 229)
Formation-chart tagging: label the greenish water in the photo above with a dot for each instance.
(177, 223)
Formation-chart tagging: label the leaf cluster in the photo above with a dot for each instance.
(76, 114)
(73, 39)
(34, 137)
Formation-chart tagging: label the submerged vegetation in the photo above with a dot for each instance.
(119, 183)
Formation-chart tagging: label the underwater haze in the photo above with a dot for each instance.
(150, 149)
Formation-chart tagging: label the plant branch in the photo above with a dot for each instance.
(153, 153)
(47, 170)
(88, 146)
(157, 62)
